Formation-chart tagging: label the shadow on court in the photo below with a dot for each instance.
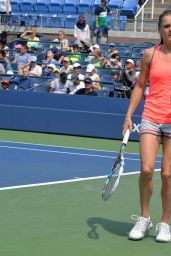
(115, 227)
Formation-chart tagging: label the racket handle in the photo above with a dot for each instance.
(126, 137)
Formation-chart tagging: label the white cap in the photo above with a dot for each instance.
(90, 68)
(9, 72)
(33, 58)
(76, 65)
(130, 61)
(137, 73)
(96, 46)
(51, 66)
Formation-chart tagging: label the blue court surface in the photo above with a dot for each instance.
(23, 164)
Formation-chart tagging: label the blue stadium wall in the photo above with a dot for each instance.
(66, 114)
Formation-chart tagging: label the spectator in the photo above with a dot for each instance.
(116, 75)
(75, 55)
(5, 84)
(127, 75)
(93, 50)
(58, 56)
(24, 82)
(81, 31)
(76, 85)
(4, 59)
(61, 42)
(5, 10)
(35, 70)
(3, 46)
(101, 13)
(60, 84)
(112, 49)
(67, 68)
(114, 62)
(50, 59)
(97, 59)
(89, 88)
(76, 71)
(2, 69)
(18, 48)
(50, 70)
(22, 59)
(91, 73)
(30, 36)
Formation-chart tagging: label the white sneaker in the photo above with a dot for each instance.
(163, 233)
(140, 227)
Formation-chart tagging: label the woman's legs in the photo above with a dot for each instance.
(166, 180)
(149, 145)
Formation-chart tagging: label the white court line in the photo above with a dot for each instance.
(46, 145)
(60, 152)
(63, 181)
(67, 153)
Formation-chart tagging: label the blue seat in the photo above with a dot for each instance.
(42, 20)
(107, 78)
(122, 23)
(96, 3)
(41, 6)
(104, 71)
(115, 4)
(54, 7)
(56, 22)
(103, 92)
(129, 9)
(84, 6)
(31, 1)
(70, 6)
(15, 6)
(58, 1)
(41, 84)
(26, 7)
(15, 19)
(70, 21)
(28, 19)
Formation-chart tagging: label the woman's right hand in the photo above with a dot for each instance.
(127, 125)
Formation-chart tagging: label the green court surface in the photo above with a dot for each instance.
(71, 219)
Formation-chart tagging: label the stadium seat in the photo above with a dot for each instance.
(54, 7)
(56, 22)
(70, 21)
(41, 6)
(115, 4)
(43, 20)
(119, 89)
(26, 7)
(15, 6)
(107, 78)
(70, 6)
(85, 5)
(96, 3)
(102, 92)
(41, 84)
(104, 71)
(129, 9)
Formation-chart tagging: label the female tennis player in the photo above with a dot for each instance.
(155, 128)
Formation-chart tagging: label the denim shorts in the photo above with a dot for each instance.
(155, 128)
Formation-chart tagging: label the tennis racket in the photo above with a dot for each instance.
(113, 178)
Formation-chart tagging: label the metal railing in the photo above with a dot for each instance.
(141, 12)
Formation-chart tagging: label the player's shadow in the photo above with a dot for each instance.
(115, 227)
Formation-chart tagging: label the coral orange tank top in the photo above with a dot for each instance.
(157, 106)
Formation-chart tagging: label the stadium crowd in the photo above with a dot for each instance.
(77, 67)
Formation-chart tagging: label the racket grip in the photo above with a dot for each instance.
(126, 137)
